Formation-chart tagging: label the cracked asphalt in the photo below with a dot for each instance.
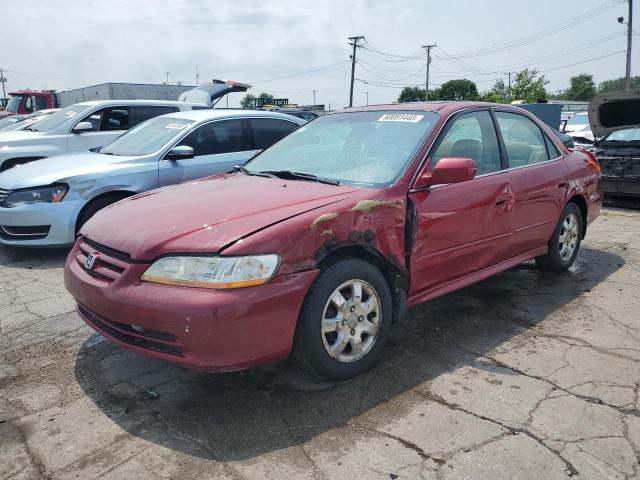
(523, 376)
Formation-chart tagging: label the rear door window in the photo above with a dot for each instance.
(213, 138)
(146, 112)
(267, 131)
(523, 140)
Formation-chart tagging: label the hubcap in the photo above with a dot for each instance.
(568, 240)
(350, 321)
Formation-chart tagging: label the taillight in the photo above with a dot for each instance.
(592, 161)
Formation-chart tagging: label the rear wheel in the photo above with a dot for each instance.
(565, 241)
(345, 321)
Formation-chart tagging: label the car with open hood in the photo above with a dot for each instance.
(316, 247)
(46, 202)
(615, 120)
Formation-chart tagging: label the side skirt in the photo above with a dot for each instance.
(460, 282)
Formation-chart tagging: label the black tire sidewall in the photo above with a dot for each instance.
(553, 260)
(309, 349)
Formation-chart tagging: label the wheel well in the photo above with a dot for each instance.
(396, 279)
(12, 162)
(116, 195)
(582, 204)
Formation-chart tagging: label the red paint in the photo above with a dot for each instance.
(459, 233)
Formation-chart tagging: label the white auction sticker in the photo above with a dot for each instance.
(401, 117)
(177, 126)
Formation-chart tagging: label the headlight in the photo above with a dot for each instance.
(212, 272)
(50, 194)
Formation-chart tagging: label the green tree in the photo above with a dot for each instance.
(248, 100)
(581, 87)
(411, 94)
(617, 84)
(498, 94)
(529, 86)
(462, 89)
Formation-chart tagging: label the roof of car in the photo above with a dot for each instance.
(207, 114)
(92, 103)
(432, 106)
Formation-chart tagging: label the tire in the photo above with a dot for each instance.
(562, 254)
(94, 207)
(362, 326)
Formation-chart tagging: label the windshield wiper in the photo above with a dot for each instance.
(31, 129)
(240, 168)
(288, 174)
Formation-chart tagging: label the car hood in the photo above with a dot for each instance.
(206, 215)
(11, 137)
(60, 168)
(609, 112)
(207, 93)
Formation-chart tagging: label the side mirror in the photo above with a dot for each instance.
(83, 127)
(449, 170)
(181, 152)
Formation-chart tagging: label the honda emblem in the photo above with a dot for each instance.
(91, 261)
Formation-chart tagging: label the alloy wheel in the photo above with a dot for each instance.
(351, 321)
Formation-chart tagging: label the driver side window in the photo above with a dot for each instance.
(471, 135)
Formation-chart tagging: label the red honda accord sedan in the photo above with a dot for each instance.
(317, 246)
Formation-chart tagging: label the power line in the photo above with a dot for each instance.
(572, 22)
(301, 73)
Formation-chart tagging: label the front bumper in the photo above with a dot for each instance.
(201, 329)
(24, 225)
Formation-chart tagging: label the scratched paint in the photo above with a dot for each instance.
(365, 206)
(326, 217)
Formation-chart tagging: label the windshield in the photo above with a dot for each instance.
(13, 104)
(366, 148)
(10, 121)
(627, 135)
(148, 137)
(53, 121)
(578, 120)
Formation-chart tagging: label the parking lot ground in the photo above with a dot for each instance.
(523, 376)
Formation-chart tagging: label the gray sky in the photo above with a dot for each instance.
(73, 43)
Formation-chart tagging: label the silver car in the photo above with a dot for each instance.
(44, 203)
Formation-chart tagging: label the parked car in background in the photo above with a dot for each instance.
(9, 121)
(318, 245)
(579, 129)
(298, 112)
(78, 128)
(616, 120)
(45, 202)
(23, 121)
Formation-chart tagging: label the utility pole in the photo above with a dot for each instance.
(3, 80)
(426, 80)
(627, 78)
(367, 93)
(314, 97)
(354, 44)
(197, 76)
(167, 74)
(509, 88)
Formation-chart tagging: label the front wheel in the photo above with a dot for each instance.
(345, 321)
(565, 241)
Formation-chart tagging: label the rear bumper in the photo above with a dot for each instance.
(201, 329)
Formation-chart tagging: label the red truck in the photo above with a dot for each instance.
(28, 101)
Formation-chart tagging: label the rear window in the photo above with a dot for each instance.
(146, 112)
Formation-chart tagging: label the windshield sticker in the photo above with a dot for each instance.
(401, 117)
(177, 126)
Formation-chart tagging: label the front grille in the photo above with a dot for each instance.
(108, 264)
(154, 340)
(3, 195)
(37, 232)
